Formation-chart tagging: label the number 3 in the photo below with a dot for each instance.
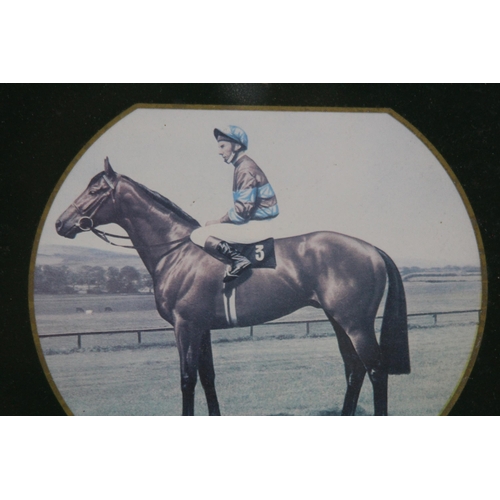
(259, 252)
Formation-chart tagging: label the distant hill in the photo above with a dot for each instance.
(74, 257)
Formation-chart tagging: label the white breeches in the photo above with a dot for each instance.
(250, 232)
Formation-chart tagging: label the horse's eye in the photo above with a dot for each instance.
(93, 191)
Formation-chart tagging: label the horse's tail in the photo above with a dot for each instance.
(394, 333)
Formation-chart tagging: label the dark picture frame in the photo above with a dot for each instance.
(44, 126)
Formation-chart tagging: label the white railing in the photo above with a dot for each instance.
(307, 323)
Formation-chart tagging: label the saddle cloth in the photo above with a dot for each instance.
(260, 254)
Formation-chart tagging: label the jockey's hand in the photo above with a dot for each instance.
(210, 222)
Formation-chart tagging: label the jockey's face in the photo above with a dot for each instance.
(228, 150)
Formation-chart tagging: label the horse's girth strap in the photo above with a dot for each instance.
(230, 305)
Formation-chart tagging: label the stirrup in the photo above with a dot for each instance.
(236, 271)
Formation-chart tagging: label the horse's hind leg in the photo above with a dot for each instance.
(354, 369)
(358, 346)
(379, 379)
(207, 374)
(368, 350)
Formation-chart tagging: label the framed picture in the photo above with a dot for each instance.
(375, 299)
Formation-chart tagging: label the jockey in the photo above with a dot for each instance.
(255, 204)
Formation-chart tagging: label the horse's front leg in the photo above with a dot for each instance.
(207, 374)
(188, 339)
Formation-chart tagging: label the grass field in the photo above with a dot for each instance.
(278, 372)
(297, 376)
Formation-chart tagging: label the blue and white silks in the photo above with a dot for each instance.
(259, 199)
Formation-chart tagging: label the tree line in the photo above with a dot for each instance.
(91, 279)
(97, 279)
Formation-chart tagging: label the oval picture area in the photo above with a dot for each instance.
(225, 261)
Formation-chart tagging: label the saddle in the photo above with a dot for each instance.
(260, 254)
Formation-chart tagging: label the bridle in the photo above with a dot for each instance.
(86, 222)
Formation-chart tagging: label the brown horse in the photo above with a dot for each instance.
(344, 276)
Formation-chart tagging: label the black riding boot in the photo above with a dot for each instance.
(238, 261)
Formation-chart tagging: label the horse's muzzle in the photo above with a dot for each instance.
(66, 232)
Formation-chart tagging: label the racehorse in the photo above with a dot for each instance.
(344, 276)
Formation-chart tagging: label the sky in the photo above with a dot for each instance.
(364, 174)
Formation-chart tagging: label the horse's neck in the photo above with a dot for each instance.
(150, 227)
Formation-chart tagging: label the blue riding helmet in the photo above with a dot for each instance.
(234, 134)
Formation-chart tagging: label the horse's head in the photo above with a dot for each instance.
(93, 207)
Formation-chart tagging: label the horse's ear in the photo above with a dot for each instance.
(108, 170)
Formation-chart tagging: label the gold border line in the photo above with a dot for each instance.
(482, 255)
(484, 278)
(34, 252)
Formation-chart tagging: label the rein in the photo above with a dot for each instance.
(104, 236)
(175, 244)
(86, 223)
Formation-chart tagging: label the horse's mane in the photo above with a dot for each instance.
(165, 202)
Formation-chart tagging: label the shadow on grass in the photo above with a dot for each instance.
(330, 412)
(336, 412)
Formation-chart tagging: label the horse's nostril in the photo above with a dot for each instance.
(58, 225)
